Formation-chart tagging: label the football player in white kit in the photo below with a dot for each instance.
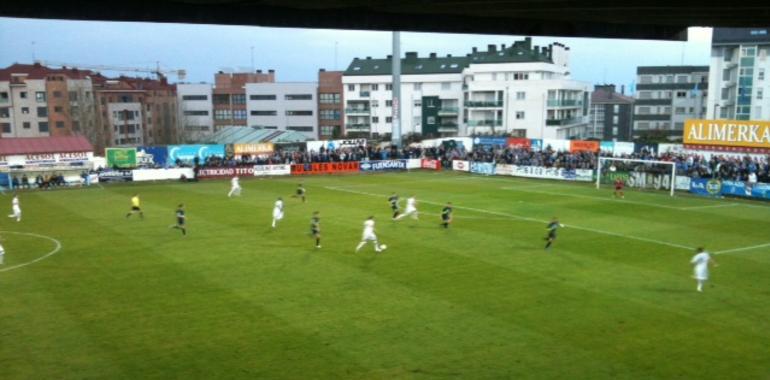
(16, 208)
(2, 253)
(369, 235)
(701, 260)
(277, 211)
(235, 187)
(411, 208)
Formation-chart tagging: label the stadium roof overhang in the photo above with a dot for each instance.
(649, 19)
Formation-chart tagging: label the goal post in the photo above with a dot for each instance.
(644, 174)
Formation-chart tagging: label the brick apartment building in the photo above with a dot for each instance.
(331, 105)
(229, 96)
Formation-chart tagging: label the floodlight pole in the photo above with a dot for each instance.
(396, 90)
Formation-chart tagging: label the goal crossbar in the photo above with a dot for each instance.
(613, 159)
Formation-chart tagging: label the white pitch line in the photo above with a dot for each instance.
(512, 216)
(710, 206)
(47, 255)
(742, 249)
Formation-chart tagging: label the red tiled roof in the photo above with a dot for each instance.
(38, 145)
(37, 71)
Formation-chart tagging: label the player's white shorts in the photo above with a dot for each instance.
(277, 214)
(701, 273)
(410, 210)
(368, 236)
(16, 210)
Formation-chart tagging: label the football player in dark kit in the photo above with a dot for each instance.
(552, 232)
(301, 192)
(446, 215)
(180, 219)
(315, 228)
(394, 204)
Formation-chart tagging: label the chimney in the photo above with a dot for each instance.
(432, 55)
(474, 50)
(502, 46)
(491, 48)
(390, 56)
(259, 71)
(622, 89)
(536, 48)
(271, 71)
(321, 70)
(449, 55)
(368, 58)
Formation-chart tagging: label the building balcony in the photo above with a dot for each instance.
(357, 111)
(744, 100)
(565, 103)
(448, 111)
(484, 103)
(362, 127)
(364, 94)
(448, 128)
(563, 122)
(485, 123)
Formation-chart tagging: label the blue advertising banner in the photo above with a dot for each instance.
(607, 146)
(5, 181)
(486, 168)
(188, 152)
(151, 155)
(375, 166)
(537, 145)
(705, 186)
(489, 141)
(760, 190)
(743, 189)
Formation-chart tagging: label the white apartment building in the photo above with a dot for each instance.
(196, 111)
(517, 90)
(283, 106)
(125, 119)
(24, 107)
(738, 73)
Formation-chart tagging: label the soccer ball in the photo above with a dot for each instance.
(383, 247)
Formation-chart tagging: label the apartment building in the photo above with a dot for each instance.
(521, 90)
(331, 107)
(611, 114)
(229, 96)
(666, 96)
(196, 111)
(737, 73)
(287, 106)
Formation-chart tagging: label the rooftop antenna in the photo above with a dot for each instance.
(335, 54)
(33, 51)
(252, 59)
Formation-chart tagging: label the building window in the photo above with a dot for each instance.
(761, 74)
(261, 97)
(681, 94)
(645, 79)
(300, 129)
(298, 97)
(239, 99)
(56, 94)
(76, 126)
(40, 97)
(375, 103)
(3, 97)
(430, 120)
(521, 95)
(195, 97)
(375, 119)
(375, 87)
(388, 87)
(616, 108)
(614, 131)
(748, 51)
(196, 113)
(239, 114)
(23, 94)
(615, 119)
(26, 125)
(264, 113)
(760, 93)
(222, 114)
(388, 103)
(222, 99)
(42, 111)
(58, 109)
(418, 102)
(519, 115)
(73, 95)
(758, 112)
(681, 79)
(418, 86)
(42, 126)
(669, 79)
(6, 127)
(645, 95)
(4, 112)
(59, 124)
(643, 110)
(332, 98)
(351, 87)
(328, 130)
(388, 119)
(299, 113)
(446, 86)
(25, 110)
(520, 76)
(329, 114)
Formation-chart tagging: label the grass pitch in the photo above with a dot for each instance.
(614, 298)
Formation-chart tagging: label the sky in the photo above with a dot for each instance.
(297, 54)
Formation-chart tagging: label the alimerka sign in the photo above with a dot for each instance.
(735, 133)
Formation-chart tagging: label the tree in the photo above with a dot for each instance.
(652, 136)
(85, 116)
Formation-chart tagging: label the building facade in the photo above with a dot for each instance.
(737, 73)
(283, 106)
(611, 114)
(666, 96)
(521, 90)
(196, 112)
(229, 96)
(331, 106)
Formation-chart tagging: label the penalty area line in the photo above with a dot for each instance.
(513, 216)
(41, 258)
(742, 249)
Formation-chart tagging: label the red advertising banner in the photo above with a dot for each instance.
(325, 168)
(519, 142)
(583, 146)
(431, 164)
(205, 173)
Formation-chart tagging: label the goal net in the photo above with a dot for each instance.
(636, 174)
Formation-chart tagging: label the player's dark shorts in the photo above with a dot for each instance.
(394, 207)
(618, 187)
(552, 235)
(445, 217)
(314, 232)
(134, 208)
(180, 221)
(300, 192)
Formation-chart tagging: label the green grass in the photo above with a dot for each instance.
(614, 299)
